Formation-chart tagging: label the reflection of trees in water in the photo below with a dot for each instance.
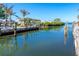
(55, 28)
(9, 44)
(24, 40)
(5, 45)
(15, 43)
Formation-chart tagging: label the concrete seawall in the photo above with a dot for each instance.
(9, 32)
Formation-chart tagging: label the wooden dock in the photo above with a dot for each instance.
(76, 38)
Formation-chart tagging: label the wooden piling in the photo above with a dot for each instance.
(15, 27)
(0, 29)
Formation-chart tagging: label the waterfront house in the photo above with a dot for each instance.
(29, 22)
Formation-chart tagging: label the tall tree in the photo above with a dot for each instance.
(24, 13)
(2, 14)
(9, 11)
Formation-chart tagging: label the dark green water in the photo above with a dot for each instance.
(46, 42)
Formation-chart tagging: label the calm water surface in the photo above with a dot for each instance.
(46, 42)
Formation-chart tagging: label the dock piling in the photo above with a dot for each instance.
(15, 27)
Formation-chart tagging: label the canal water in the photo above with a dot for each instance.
(50, 41)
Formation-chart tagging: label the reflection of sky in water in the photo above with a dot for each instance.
(42, 42)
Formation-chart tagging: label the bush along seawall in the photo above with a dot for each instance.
(55, 22)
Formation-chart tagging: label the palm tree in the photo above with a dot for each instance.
(9, 12)
(2, 15)
(24, 13)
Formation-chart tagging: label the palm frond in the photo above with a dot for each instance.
(24, 12)
(11, 6)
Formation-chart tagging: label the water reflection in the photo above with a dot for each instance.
(9, 44)
(54, 28)
(41, 42)
(24, 40)
(15, 41)
(65, 34)
(5, 45)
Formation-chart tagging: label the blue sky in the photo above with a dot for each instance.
(49, 11)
